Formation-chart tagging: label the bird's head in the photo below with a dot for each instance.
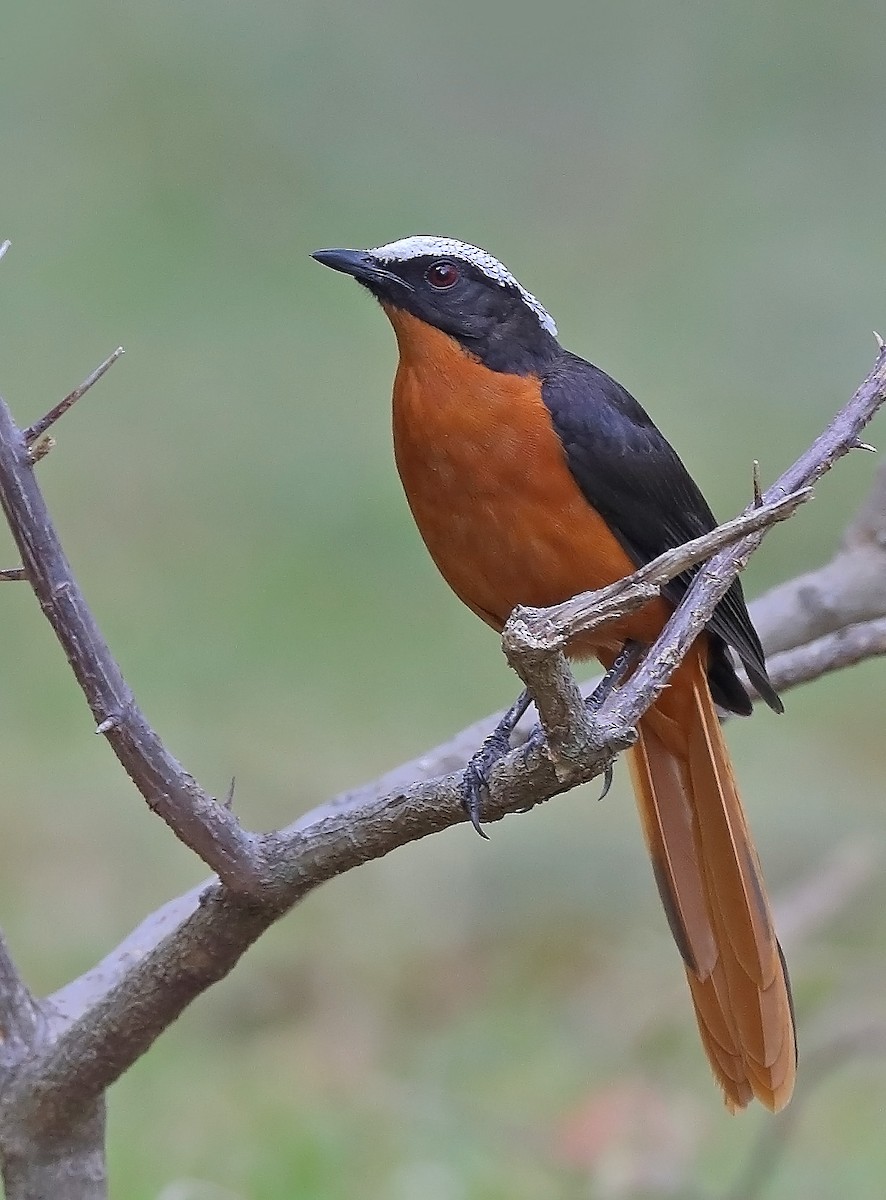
(460, 290)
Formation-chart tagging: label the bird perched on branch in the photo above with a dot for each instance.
(533, 476)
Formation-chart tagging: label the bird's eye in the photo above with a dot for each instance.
(442, 275)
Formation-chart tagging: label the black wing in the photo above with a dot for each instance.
(635, 480)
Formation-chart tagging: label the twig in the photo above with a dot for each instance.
(10, 573)
(196, 818)
(550, 628)
(39, 427)
(532, 637)
(714, 579)
(843, 592)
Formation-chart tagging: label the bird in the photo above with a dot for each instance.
(532, 476)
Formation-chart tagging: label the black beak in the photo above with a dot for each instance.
(360, 264)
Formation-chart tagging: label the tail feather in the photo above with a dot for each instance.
(711, 886)
(725, 842)
(669, 829)
(726, 1062)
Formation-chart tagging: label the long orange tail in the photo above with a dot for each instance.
(710, 883)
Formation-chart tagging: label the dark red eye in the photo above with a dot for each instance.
(442, 275)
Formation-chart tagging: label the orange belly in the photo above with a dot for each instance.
(487, 480)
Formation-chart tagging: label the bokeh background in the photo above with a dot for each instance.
(697, 193)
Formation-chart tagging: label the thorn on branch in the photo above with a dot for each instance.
(39, 427)
(758, 492)
(12, 573)
(858, 444)
(4, 246)
(109, 723)
(881, 345)
(228, 801)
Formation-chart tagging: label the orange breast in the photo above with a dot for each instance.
(488, 483)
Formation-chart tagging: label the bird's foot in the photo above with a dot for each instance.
(493, 750)
(498, 744)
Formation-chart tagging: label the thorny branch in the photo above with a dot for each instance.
(85, 1036)
(196, 818)
(33, 432)
(533, 638)
(549, 628)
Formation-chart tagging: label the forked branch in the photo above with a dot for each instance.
(83, 1038)
(552, 692)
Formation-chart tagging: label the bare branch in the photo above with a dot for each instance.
(448, 759)
(550, 628)
(195, 817)
(12, 573)
(532, 637)
(787, 669)
(839, 594)
(105, 1021)
(187, 945)
(39, 427)
(553, 686)
(714, 579)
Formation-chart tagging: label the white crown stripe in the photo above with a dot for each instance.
(422, 244)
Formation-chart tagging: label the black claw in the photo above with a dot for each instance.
(473, 783)
(608, 775)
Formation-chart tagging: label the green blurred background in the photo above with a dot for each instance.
(697, 193)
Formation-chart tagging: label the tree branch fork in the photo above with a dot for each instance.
(248, 863)
(57, 1056)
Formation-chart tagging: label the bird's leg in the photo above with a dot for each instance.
(622, 665)
(496, 746)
